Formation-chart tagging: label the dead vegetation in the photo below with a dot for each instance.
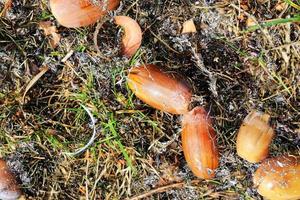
(232, 67)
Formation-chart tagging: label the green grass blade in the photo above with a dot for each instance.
(293, 4)
(272, 22)
(111, 126)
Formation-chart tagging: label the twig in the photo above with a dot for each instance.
(213, 80)
(159, 39)
(284, 46)
(93, 120)
(67, 56)
(97, 29)
(163, 189)
(211, 7)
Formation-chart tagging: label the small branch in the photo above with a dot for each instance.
(213, 80)
(163, 42)
(164, 189)
(97, 29)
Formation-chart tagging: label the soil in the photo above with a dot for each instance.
(137, 148)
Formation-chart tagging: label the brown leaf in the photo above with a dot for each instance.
(50, 30)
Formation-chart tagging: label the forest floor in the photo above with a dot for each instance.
(137, 150)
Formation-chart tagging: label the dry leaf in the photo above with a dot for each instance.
(189, 27)
(52, 31)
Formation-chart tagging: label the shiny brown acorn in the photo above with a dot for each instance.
(199, 143)
(279, 178)
(9, 190)
(160, 89)
(78, 13)
(254, 137)
(132, 38)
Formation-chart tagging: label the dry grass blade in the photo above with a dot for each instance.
(291, 3)
(34, 80)
(213, 79)
(93, 120)
(118, 147)
(7, 6)
(164, 189)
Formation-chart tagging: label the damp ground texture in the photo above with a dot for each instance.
(245, 55)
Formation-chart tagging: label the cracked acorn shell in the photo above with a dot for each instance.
(254, 137)
(132, 37)
(160, 89)
(79, 13)
(9, 190)
(199, 143)
(279, 178)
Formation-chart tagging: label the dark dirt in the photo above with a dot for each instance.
(35, 135)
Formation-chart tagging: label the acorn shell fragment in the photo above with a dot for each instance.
(189, 27)
(132, 37)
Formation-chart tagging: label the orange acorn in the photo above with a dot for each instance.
(199, 143)
(254, 137)
(279, 178)
(160, 89)
(78, 13)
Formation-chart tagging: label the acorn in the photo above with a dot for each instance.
(199, 143)
(254, 137)
(9, 189)
(79, 13)
(279, 178)
(160, 89)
